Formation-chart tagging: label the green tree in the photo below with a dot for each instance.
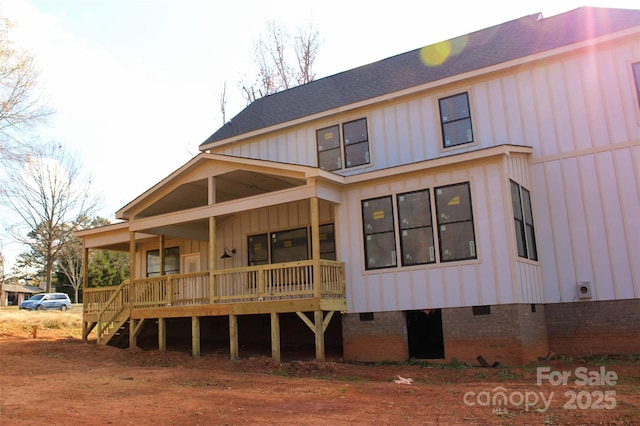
(108, 268)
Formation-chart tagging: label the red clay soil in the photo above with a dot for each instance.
(57, 379)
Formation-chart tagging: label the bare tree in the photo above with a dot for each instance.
(223, 103)
(281, 62)
(21, 104)
(48, 195)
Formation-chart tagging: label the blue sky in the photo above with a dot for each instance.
(136, 84)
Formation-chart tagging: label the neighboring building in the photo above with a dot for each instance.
(479, 196)
(14, 294)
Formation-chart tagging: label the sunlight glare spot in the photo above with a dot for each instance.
(435, 54)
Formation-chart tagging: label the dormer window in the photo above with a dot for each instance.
(343, 146)
(455, 117)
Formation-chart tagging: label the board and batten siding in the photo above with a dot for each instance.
(233, 231)
(491, 279)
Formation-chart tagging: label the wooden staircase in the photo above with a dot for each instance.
(114, 315)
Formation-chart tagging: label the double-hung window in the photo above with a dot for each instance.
(379, 233)
(523, 218)
(455, 118)
(343, 146)
(416, 228)
(455, 222)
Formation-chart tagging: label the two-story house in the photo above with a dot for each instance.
(475, 197)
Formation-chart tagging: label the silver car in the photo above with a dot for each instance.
(42, 301)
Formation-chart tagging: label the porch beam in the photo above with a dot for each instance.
(162, 334)
(195, 336)
(275, 336)
(233, 337)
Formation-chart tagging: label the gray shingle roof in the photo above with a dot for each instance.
(501, 43)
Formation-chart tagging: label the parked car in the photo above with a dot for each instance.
(42, 301)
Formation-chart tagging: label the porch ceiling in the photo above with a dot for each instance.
(229, 186)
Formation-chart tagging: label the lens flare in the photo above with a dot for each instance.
(436, 54)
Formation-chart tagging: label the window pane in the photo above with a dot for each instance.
(380, 250)
(153, 263)
(330, 160)
(328, 138)
(457, 133)
(377, 215)
(355, 131)
(414, 209)
(172, 260)
(531, 243)
(258, 249)
(289, 246)
(520, 238)
(417, 246)
(357, 154)
(453, 203)
(455, 222)
(526, 206)
(457, 241)
(454, 108)
(636, 77)
(515, 200)
(327, 242)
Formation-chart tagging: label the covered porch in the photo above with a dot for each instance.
(218, 239)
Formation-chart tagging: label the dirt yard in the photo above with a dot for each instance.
(54, 378)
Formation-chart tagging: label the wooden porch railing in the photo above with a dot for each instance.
(293, 280)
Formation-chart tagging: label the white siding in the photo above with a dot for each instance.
(579, 115)
(487, 280)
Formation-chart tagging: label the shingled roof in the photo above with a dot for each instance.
(501, 43)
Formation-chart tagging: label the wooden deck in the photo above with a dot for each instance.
(266, 289)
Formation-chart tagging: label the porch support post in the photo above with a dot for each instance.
(162, 334)
(315, 244)
(319, 332)
(132, 256)
(275, 336)
(212, 259)
(195, 336)
(133, 339)
(161, 253)
(233, 337)
(85, 284)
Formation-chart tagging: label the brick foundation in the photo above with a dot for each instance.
(510, 334)
(384, 338)
(594, 328)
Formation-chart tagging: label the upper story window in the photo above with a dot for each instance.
(523, 218)
(636, 78)
(455, 117)
(343, 146)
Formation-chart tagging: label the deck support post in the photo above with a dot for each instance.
(133, 338)
(275, 336)
(233, 337)
(195, 336)
(162, 334)
(319, 332)
(85, 284)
